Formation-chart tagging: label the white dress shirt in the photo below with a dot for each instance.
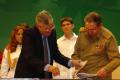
(66, 47)
(5, 71)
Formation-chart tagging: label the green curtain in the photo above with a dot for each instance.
(13, 12)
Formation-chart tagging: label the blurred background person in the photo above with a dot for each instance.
(12, 52)
(66, 46)
(1, 54)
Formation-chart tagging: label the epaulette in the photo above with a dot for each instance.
(82, 29)
(106, 33)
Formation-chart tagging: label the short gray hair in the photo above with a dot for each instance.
(44, 16)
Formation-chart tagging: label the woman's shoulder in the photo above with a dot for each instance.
(7, 48)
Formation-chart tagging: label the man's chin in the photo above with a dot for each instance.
(47, 34)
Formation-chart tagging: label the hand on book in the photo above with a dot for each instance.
(82, 64)
(102, 73)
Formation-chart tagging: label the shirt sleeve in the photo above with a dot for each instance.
(113, 55)
(46, 67)
(4, 65)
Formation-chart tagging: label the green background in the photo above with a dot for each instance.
(13, 12)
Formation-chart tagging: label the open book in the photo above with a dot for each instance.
(82, 64)
(86, 76)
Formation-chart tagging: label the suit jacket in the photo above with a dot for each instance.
(31, 61)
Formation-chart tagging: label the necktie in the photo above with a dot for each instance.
(46, 54)
(46, 51)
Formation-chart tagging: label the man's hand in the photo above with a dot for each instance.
(102, 73)
(76, 63)
(55, 71)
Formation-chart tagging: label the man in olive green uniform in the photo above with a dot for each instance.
(98, 46)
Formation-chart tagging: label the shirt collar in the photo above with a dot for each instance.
(74, 36)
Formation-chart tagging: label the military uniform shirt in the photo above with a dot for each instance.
(101, 52)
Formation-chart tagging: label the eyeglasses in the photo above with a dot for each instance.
(91, 29)
(49, 28)
(46, 27)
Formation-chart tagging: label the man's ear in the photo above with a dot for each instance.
(73, 26)
(101, 24)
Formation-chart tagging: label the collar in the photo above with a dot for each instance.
(74, 36)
